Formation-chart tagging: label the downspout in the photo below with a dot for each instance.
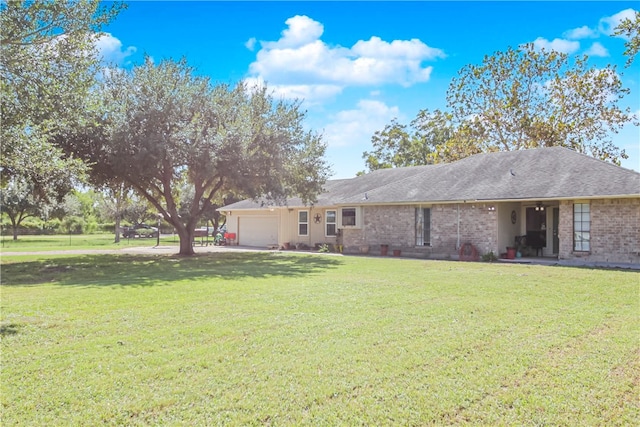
(458, 241)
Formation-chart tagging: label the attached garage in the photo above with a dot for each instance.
(259, 231)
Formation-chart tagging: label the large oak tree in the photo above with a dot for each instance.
(161, 126)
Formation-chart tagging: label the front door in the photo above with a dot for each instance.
(537, 229)
(556, 238)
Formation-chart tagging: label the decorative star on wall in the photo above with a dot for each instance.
(317, 218)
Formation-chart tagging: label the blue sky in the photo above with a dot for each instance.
(359, 64)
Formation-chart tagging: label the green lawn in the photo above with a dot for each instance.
(308, 339)
(77, 242)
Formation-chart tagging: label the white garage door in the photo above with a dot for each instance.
(258, 231)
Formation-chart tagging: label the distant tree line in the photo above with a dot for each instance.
(79, 212)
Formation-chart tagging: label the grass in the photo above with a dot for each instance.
(291, 339)
(77, 242)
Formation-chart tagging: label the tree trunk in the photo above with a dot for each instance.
(117, 239)
(14, 227)
(186, 241)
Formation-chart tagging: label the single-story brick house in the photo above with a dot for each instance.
(568, 205)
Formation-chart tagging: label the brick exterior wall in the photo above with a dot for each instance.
(478, 226)
(615, 231)
(388, 225)
(395, 226)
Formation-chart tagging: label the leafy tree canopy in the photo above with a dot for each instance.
(161, 126)
(47, 66)
(398, 145)
(19, 202)
(630, 29)
(517, 99)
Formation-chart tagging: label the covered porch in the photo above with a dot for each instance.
(529, 229)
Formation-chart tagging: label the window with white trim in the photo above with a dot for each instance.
(581, 227)
(423, 226)
(331, 219)
(350, 217)
(303, 223)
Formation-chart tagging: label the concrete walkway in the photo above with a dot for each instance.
(570, 263)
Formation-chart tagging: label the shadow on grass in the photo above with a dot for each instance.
(9, 329)
(147, 270)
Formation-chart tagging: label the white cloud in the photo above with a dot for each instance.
(110, 48)
(583, 32)
(251, 43)
(300, 59)
(597, 49)
(302, 30)
(608, 24)
(310, 94)
(559, 45)
(355, 127)
(569, 44)
(403, 49)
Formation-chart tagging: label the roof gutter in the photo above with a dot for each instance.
(530, 199)
(438, 202)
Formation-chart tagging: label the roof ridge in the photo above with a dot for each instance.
(597, 160)
(555, 147)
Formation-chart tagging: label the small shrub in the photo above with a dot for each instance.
(90, 227)
(72, 225)
(52, 225)
(489, 257)
(108, 227)
(323, 248)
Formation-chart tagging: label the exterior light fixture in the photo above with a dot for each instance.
(539, 207)
(491, 208)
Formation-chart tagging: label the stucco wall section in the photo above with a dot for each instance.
(316, 231)
(507, 230)
(615, 231)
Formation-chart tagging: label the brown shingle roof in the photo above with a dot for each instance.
(542, 173)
